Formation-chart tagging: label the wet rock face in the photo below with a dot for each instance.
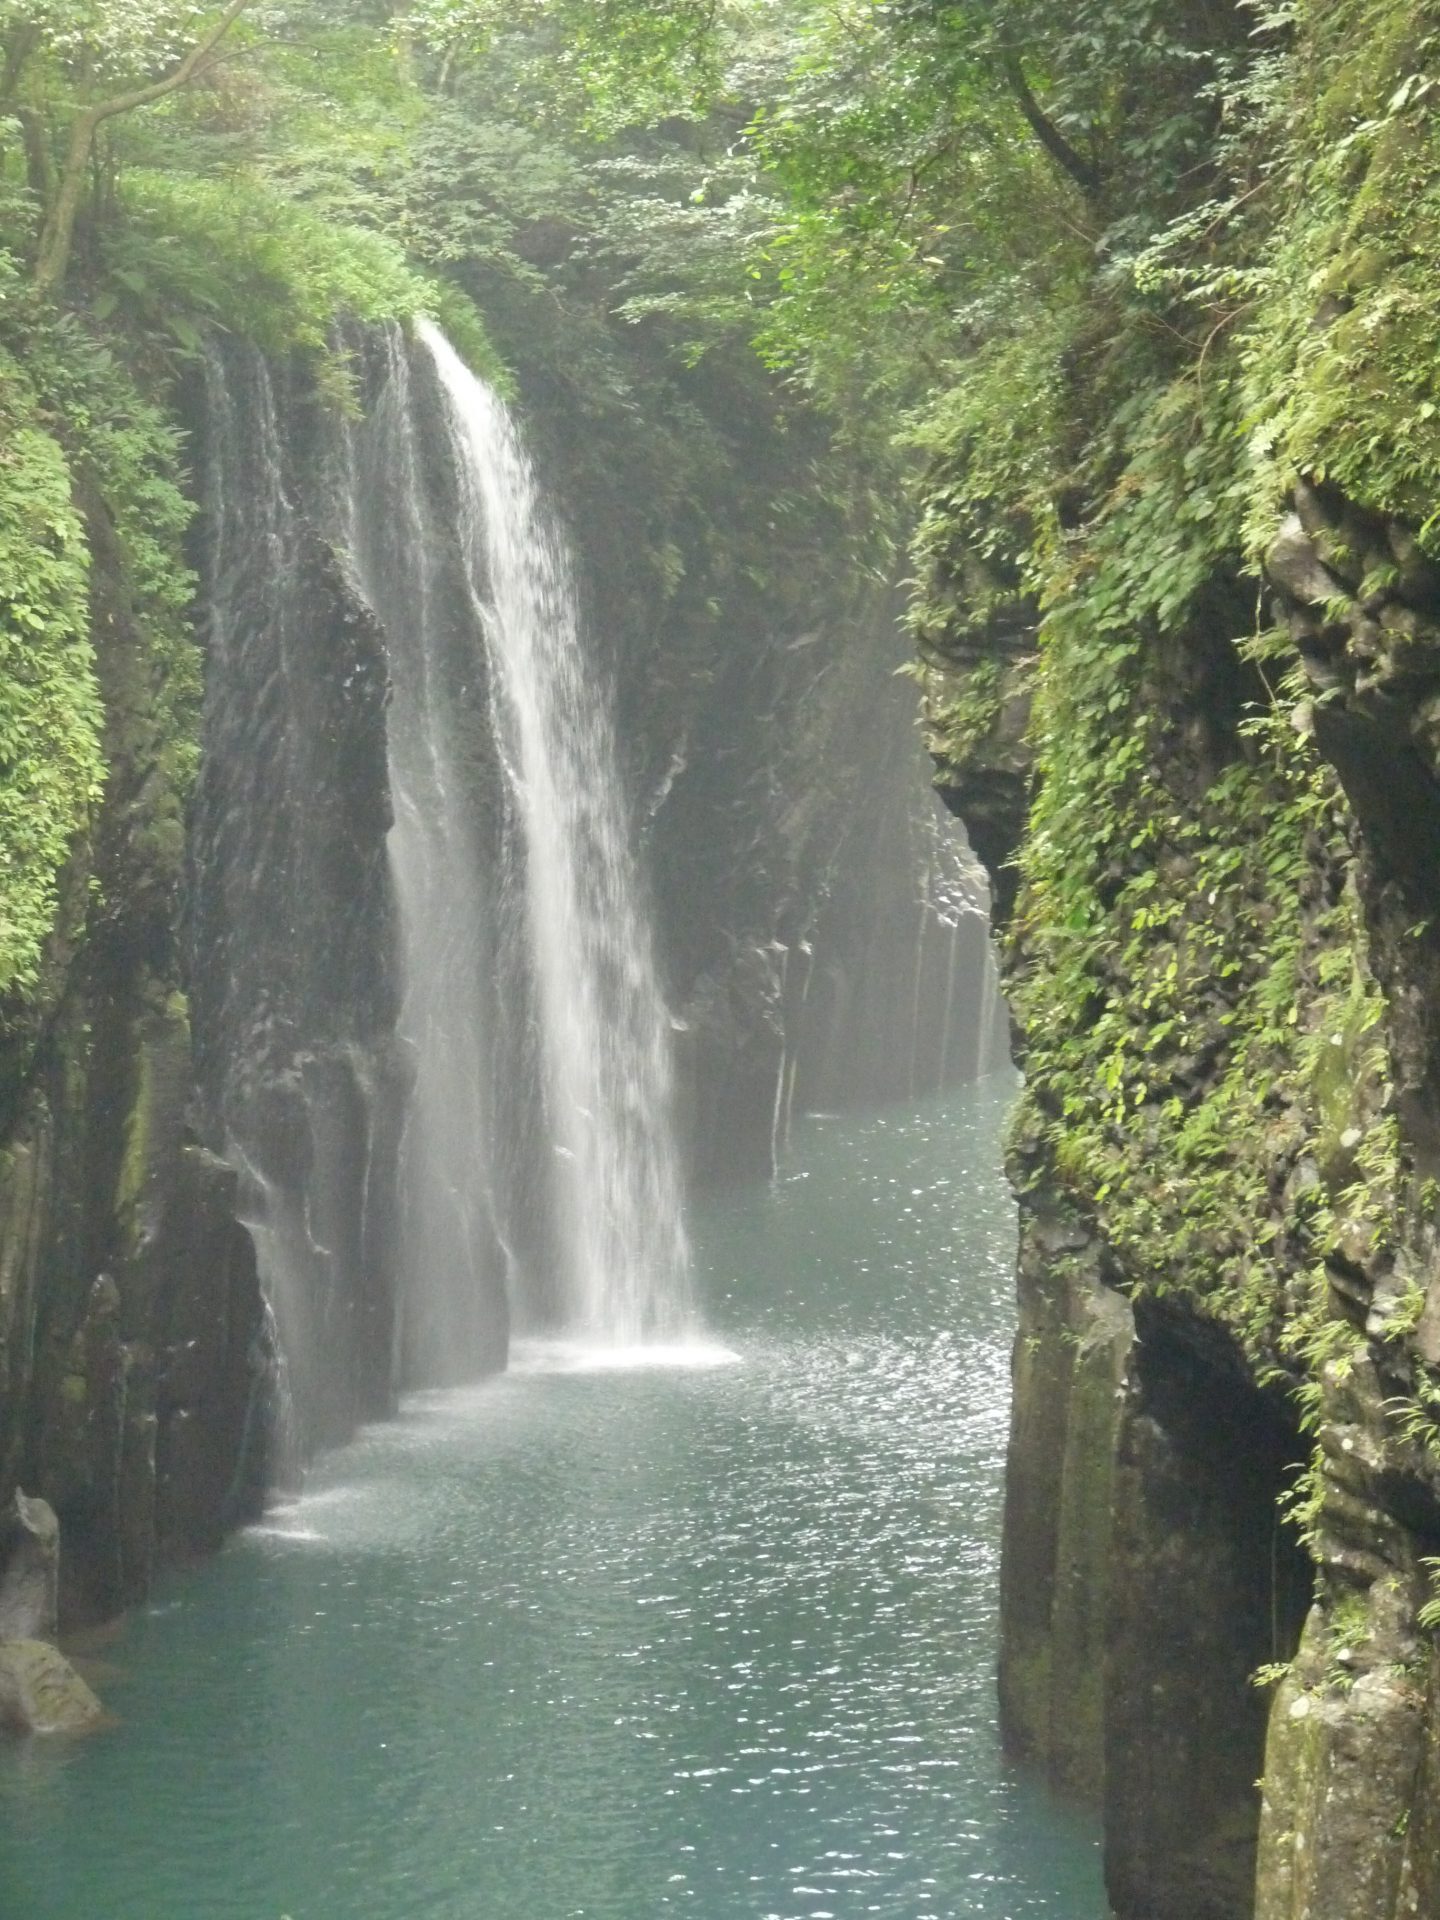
(1073, 1354)
(820, 915)
(1209, 1586)
(290, 919)
(134, 1314)
(1129, 1642)
(1129, 1637)
(1362, 605)
(128, 1293)
(1146, 1574)
(40, 1692)
(1349, 1824)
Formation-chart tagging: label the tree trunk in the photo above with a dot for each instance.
(58, 231)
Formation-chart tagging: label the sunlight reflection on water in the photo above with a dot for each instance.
(619, 1641)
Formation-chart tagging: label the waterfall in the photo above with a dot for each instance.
(456, 1261)
(604, 1032)
(991, 1034)
(429, 1030)
(289, 922)
(429, 1027)
(536, 1160)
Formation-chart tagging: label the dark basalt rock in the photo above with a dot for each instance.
(290, 913)
(1147, 1574)
(814, 908)
(1208, 1585)
(1350, 1776)
(119, 1248)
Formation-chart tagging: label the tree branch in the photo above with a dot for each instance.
(189, 69)
(1082, 171)
(53, 256)
(20, 43)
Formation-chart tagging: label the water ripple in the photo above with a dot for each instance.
(618, 1642)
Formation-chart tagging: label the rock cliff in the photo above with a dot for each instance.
(1198, 742)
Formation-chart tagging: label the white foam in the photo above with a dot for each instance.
(577, 1356)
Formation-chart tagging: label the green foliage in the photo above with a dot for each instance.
(1124, 385)
(233, 251)
(1429, 1615)
(50, 716)
(608, 66)
(77, 434)
(1355, 400)
(329, 162)
(987, 520)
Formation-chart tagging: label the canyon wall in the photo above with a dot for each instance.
(1179, 610)
(1215, 852)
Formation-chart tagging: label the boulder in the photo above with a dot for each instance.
(1294, 563)
(40, 1692)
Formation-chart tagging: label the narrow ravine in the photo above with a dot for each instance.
(715, 1640)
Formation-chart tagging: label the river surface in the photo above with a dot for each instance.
(712, 1639)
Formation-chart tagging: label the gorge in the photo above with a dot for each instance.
(428, 1036)
(503, 1076)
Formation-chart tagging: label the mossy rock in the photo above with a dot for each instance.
(40, 1692)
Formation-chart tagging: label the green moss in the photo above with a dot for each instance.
(1356, 400)
(237, 250)
(1206, 1061)
(50, 715)
(89, 468)
(135, 1160)
(962, 722)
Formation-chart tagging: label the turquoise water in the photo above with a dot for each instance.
(713, 1640)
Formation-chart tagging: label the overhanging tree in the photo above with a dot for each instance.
(91, 62)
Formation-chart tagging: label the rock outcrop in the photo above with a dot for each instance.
(1203, 475)
(40, 1692)
(131, 1321)
(29, 1571)
(1350, 1779)
(1198, 1594)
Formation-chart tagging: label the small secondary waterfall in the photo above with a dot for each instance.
(604, 1031)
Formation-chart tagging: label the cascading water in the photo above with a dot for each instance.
(455, 1262)
(604, 1033)
(427, 1017)
(427, 1008)
(536, 1162)
(289, 916)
